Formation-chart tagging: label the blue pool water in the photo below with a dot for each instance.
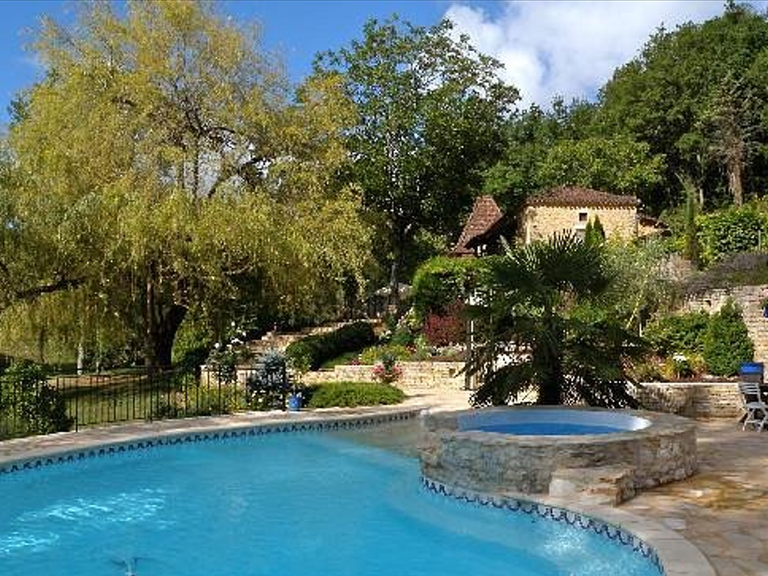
(548, 429)
(280, 505)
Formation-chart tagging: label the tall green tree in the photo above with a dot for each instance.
(732, 121)
(541, 330)
(563, 146)
(430, 110)
(664, 96)
(163, 164)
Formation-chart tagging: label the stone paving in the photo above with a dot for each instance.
(724, 509)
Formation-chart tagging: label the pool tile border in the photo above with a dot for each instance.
(555, 513)
(22, 464)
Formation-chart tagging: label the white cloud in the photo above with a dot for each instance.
(571, 48)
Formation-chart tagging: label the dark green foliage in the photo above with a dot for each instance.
(727, 343)
(28, 400)
(678, 334)
(737, 229)
(431, 110)
(692, 249)
(441, 282)
(312, 351)
(351, 394)
(665, 98)
(539, 311)
(594, 233)
(191, 346)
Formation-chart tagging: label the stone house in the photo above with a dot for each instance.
(571, 208)
(483, 230)
(562, 209)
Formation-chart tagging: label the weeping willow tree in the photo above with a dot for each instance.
(164, 164)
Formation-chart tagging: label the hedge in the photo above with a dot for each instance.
(441, 282)
(351, 394)
(737, 229)
(312, 351)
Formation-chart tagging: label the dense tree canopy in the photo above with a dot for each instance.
(430, 110)
(697, 94)
(162, 165)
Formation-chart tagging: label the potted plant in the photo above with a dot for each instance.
(388, 370)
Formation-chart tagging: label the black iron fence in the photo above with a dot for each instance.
(60, 403)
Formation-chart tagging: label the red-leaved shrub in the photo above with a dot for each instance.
(448, 328)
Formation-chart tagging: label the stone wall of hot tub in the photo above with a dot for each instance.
(611, 467)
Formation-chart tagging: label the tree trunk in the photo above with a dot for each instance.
(735, 184)
(162, 321)
(548, 356)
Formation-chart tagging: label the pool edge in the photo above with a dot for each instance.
(676, 555)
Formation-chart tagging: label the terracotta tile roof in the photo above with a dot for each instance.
(579, 196)
(485, 215)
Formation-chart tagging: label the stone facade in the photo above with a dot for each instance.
(691, 399)
(508, 464)
(749, 298)
(415, 375)
(541, 222)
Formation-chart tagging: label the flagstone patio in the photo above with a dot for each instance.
(724, 509)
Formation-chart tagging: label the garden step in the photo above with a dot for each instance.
(603, 485)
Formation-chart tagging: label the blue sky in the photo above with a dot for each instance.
(549, 48)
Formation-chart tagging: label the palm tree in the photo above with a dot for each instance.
(541, 328)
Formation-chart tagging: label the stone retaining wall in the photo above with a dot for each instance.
(749, 299)
(692, 399)
(415, 374)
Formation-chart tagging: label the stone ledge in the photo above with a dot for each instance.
(494, 462)
(610, 485)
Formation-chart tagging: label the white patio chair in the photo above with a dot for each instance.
(752, 402)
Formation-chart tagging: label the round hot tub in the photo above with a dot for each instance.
(530, 450)
(551, 422)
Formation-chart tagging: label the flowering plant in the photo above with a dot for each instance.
(388, 370)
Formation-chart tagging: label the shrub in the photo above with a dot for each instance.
(375, 353)
(441, 281)
(268, 384)
(727, 343)
(351, 394)
(743, 269)
(191, 347)
(737, 229)
(27, 398)
(312, 351)
(446, 329)
(678, 334)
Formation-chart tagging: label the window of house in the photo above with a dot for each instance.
(583, 217)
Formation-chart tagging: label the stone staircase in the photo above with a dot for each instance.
(281, 340)
(757, 326)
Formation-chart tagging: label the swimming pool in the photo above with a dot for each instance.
(288, 504)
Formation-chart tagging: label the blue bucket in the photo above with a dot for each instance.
(294, 402)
